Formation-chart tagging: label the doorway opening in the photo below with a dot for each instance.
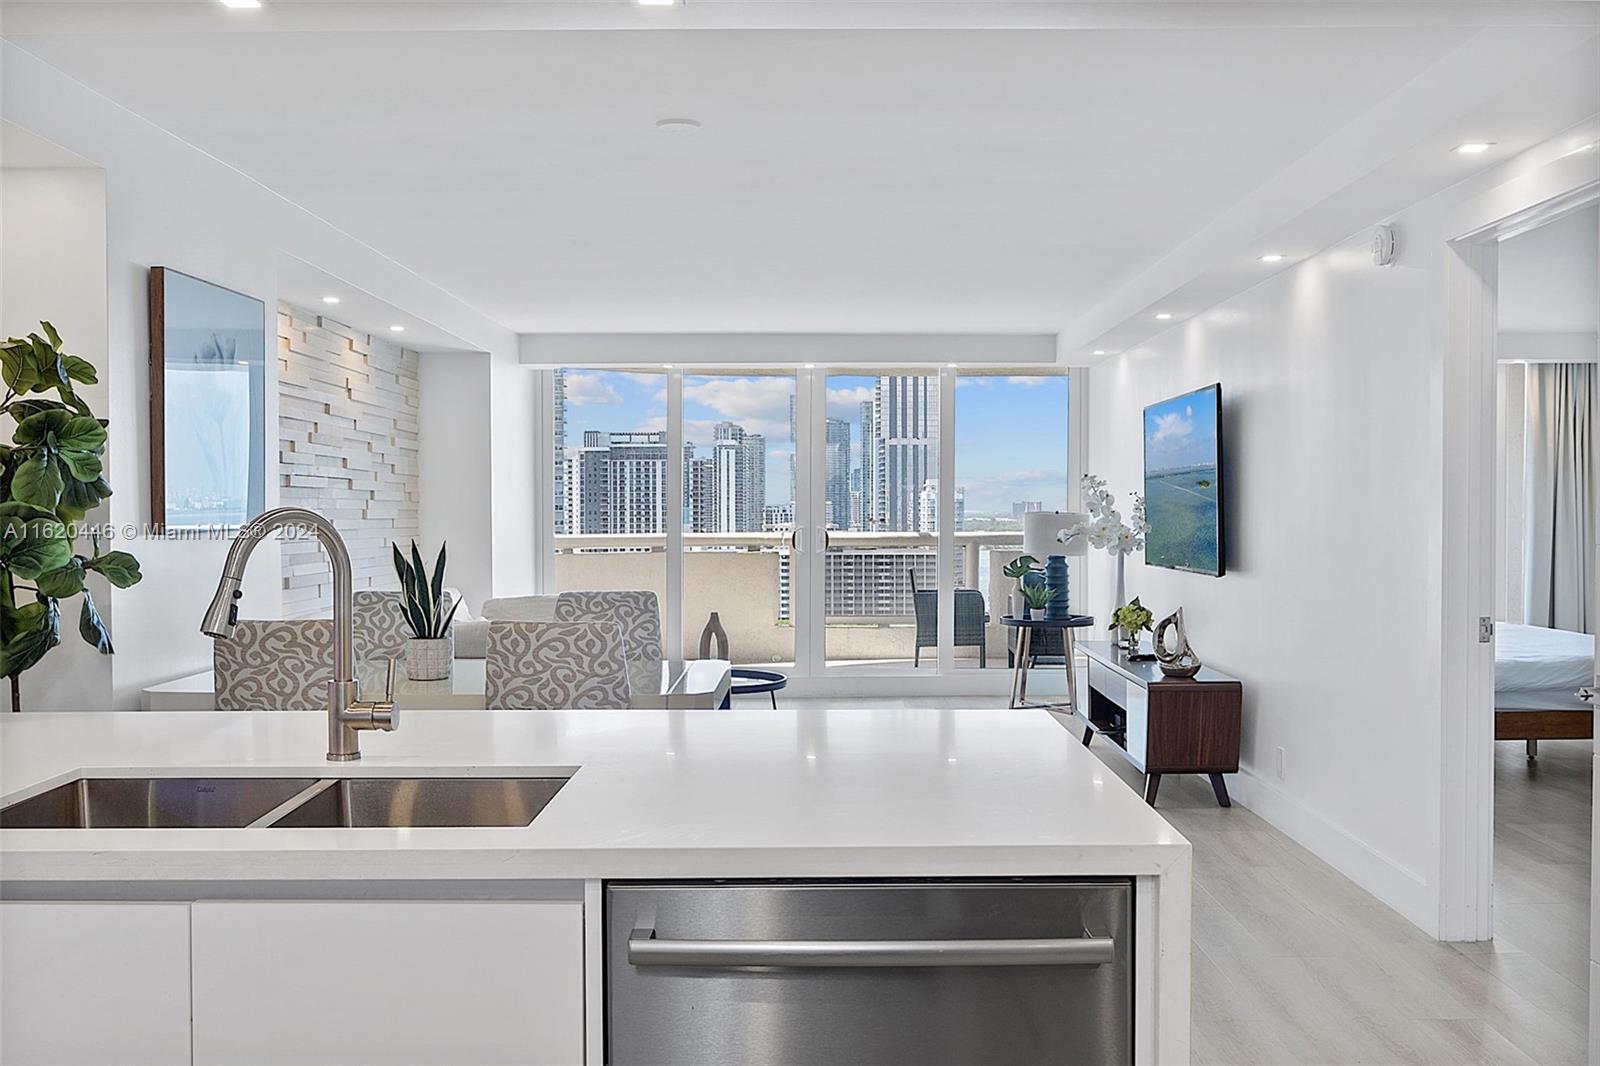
(1546, 597)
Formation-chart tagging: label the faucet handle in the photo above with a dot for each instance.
(388, 681)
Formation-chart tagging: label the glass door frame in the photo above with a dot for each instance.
(809, 542)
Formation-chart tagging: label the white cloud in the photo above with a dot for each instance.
(1173, 427)
(760, 404)
(590, 390)
(846, 403)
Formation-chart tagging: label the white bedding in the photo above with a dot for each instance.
(1531, 658)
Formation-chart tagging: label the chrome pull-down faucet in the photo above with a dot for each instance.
(346, 714)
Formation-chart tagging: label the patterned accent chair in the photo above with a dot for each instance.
(555, 665)
(380, 624)
(635, 611)
(275, 666)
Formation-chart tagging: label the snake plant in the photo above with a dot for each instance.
(424, 596)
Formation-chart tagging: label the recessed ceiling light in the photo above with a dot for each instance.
(397, 329)
(330, 299)
(656, 3)
(677, 123)
(1162, 316)
(811, 366)
(241, 4)
(1272, 257)
(1474, 147)
(1098, 351)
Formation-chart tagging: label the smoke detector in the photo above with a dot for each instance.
(1383, 246)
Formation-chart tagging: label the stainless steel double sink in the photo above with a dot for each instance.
(283, 802)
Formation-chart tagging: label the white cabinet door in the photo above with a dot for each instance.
(362, 981)
(94, 982)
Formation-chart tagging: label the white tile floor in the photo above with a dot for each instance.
(1295, 964)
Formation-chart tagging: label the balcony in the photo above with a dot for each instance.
(745, 577)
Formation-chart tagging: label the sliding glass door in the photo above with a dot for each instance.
(875, 509)
(821, 521)
(738, 514)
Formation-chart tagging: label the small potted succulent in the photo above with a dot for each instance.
(1025, 571)
(1035, 598)
(1132, 618)
(432, 646)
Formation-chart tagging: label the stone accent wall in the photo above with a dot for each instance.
(347, 428)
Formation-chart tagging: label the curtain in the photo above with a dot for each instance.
(1560, 491)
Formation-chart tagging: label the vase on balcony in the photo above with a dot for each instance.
(714, 639)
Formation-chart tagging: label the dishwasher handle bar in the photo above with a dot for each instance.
(645, 950)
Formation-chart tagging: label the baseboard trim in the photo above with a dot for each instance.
(1402, 889)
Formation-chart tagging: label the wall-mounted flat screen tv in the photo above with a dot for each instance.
(1183, 482)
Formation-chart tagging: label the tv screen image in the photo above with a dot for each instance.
(1183, 482)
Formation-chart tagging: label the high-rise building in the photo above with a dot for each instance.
(836, 485)
(928, 506)
(699, 492)
(560, 412)
(794, 449)
(905, 448)
(741, 478)
(777, 517)
(867, 470)
(617, 483)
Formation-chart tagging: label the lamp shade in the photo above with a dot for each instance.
(1039, 529)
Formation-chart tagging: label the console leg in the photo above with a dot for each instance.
(1220, 787)
(1533, 750)
(1152, 782)
(1088, 734)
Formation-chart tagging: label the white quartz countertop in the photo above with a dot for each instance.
(685, 793)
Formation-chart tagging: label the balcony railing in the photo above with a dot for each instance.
(744, 578)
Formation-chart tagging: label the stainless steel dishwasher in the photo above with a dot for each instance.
(765, 973)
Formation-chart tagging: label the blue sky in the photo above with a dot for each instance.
(1181, 432)
(1011, 432)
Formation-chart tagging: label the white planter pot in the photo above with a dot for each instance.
(429, 660)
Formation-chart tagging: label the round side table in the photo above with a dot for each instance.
(1024, 656)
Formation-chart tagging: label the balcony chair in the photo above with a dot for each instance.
(555, 665)
(635, 611)
(971, 621)
(275, 666)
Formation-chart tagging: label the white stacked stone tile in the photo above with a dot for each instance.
(347, 430)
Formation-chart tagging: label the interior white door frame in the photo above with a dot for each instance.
(1535, 195)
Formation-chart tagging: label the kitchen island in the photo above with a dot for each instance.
(483, 944)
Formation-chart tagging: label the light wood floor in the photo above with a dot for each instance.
(1295, 964)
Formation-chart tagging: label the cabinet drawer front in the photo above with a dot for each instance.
(1108, 683)
(378, 981)
(94, 982)
(851, 972)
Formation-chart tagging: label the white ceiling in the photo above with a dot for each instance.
(844, 179)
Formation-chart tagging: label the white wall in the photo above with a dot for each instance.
(53, 266)
(172, 205)
(1333, 377)
(1323, 611)
(458, 469)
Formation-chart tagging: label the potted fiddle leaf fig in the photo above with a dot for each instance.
(432, 646)
(51, 476)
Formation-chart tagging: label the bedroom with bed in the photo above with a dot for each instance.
(1545, 609)
(1546, 604)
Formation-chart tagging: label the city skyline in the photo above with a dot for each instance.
(759, 408)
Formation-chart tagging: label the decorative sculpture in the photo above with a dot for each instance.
(714, 637)
(1180, 661)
